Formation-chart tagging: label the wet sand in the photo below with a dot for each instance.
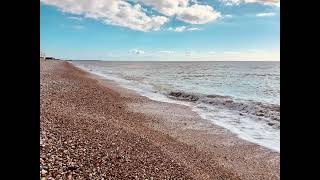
(91, 128)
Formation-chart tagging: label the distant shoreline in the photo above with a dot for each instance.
(108, 131)
(168, 61)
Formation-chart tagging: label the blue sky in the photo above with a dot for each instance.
(161, 29)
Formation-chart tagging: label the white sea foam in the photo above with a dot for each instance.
(245, 127)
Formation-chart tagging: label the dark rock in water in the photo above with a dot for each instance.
(241, 114)
(259, 114)
(214, 96)
(184, 96)
(275, 118)
(194, 98)
(271, 124)
(175, 94)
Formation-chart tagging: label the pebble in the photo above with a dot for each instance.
(44, 172)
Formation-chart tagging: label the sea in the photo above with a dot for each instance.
(243, 97)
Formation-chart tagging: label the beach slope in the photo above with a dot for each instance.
(91, 128)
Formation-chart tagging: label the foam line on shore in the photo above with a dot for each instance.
(242, 125)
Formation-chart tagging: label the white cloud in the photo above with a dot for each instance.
(193, 14)
(198, 14)
(75, 18)
(166, 52)
(136, 51)
(228, 16)
(231, 2)
(265, 14)
(182, 29)
(231, 52)
(115, 12)
(177, 29)
(131, 14)
(166, 7)
(265, 2)
(194, 29)
(270, 2)
(188, 53)
(212, 52)
(256, 50)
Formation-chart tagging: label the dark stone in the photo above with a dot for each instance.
(72, 168)
(271, 124)
(175, 94)
(194, 98)
(259, 114)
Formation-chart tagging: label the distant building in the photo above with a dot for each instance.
(49, 58)
(42, 55)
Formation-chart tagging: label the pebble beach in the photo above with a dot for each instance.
(91, 128)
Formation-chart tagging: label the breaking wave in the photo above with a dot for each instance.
(257, 120)
(258, 110)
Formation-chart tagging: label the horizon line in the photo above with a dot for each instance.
(172, 60)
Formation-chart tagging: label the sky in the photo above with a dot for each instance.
(161, 30)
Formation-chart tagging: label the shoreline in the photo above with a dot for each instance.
(170, 133)
(174, 99)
